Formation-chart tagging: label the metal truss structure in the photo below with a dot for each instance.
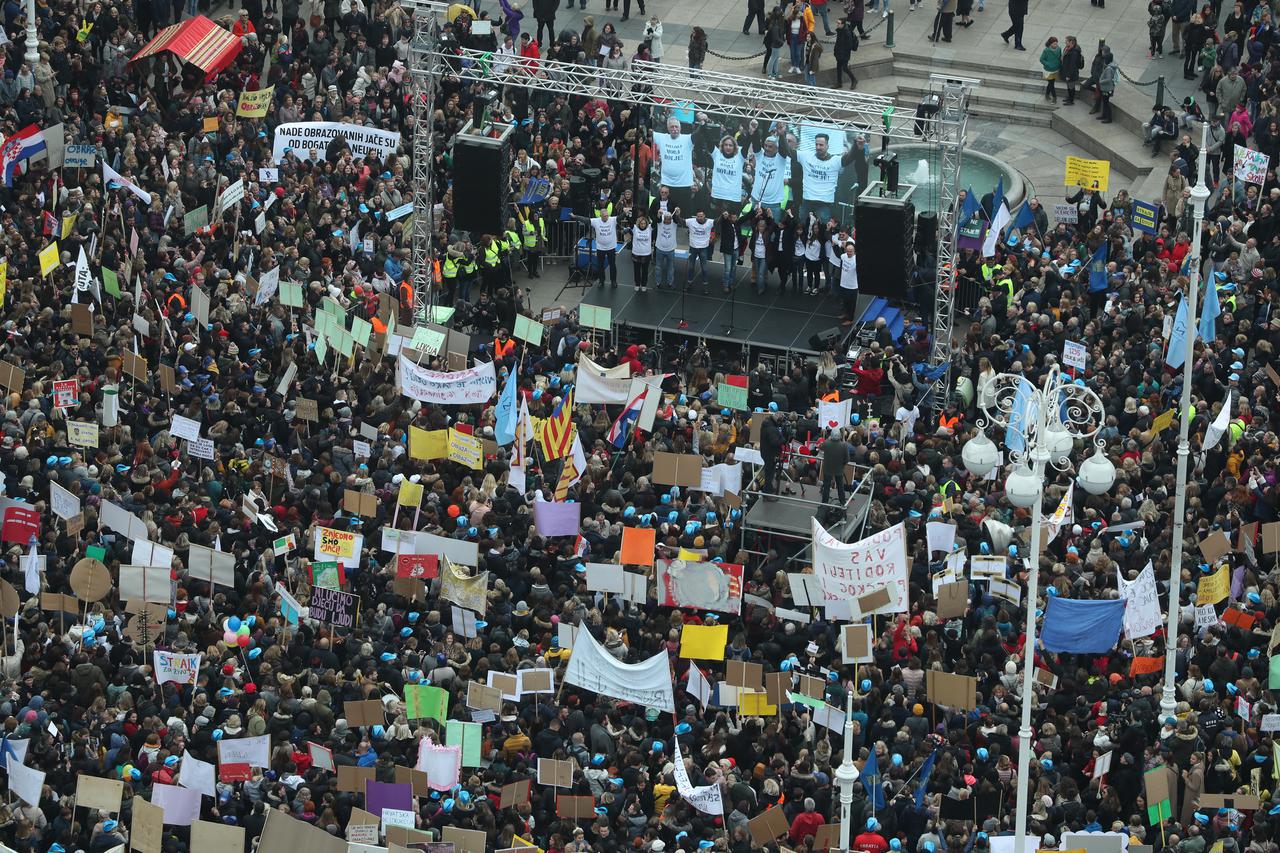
(657, 86)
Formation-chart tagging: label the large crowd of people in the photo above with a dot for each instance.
(213, 421)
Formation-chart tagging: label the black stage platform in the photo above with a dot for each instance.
(772, 321)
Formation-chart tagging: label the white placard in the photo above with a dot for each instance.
(198, 775)
(63, 503)
(605, 577)
(1073, 354)
(254, 751)
(185, 428)
(201, 448)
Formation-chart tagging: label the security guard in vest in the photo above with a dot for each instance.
(534, 229)
(514, 251)
(449, 270)
(504, 348)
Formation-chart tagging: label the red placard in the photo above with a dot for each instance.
(235, 773)
(20, 524)
(420, 566)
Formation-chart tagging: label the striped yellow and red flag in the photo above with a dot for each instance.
(556, 438)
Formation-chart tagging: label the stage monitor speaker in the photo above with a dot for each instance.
(481, 166)
(886, 245)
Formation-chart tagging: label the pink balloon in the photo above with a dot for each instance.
(229, 637)
(243, 640)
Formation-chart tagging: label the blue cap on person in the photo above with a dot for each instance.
(872, 824)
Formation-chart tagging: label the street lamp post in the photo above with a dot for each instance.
(1199, 196)
(846, 774)
(32, 55)
(1048, 421)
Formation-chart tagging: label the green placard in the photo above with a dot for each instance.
(290, 294)
(595, 317)
(360, 331)
(344, 342)
(422, 701)
(326, 574)
(322, 349)
(427, 340)
(466, 735)
(110, 282)
(441, 314)
(529, 330)
(732, 397)
(194, 220)
(96, 552)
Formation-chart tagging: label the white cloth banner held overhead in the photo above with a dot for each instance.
(847, 571)
(110, 174)
(1142, 613)
(596, 384)
(647, 683)
(459, 388)
(305, 138)
(1218, 428)
(705, 798)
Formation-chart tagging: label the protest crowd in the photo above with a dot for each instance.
(287, 567)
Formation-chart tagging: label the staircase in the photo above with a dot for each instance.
(1016, 96)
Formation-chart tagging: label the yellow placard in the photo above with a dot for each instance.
(1214, 588)
(210, 125)
(756, 704)
(255, 104)
(1162, 421)
(466, 450)
(68, 222)
(704, 642)
(4, 281)
(691, 556)
(410, 494)
(49, 259)
(1090, 174)
(337, 543)
(427, 444)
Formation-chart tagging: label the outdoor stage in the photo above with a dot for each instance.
(772, 321)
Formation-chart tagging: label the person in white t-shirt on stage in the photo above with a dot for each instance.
(642, 251)
(664, 249)
(700, 232)
(604, 230)
(849, 283)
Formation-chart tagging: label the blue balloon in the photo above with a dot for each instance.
(897, 760)
(251, 620)
(233, 624)
(87, 633)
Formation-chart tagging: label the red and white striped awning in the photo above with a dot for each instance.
(199, 41)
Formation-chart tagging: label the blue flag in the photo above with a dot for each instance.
(1021, 416)
(1081, 627)
(926, 770)
(998, 196)
(1098, 270)
(872, 781)
(1024, 219)
(1209, 316)
(504, 429)
(1177, 352)
(970, 206)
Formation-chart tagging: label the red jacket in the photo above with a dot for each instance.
(805, 823)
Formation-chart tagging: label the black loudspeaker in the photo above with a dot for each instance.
(927, 232)
(886, 246)
(481, 166)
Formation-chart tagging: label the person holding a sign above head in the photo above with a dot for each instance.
(674, 150)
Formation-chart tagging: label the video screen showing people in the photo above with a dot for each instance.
(717, 163)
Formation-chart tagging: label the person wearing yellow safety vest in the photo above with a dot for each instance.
(533, 229)
(489, 254)
(466, 268)
(512, 240)
(451, 270)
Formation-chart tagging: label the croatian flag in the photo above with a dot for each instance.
(631, 414)
(24, 144)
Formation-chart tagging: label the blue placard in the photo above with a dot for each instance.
(1145, 216)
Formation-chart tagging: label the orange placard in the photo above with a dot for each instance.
(638, 544)
(1145, 666)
